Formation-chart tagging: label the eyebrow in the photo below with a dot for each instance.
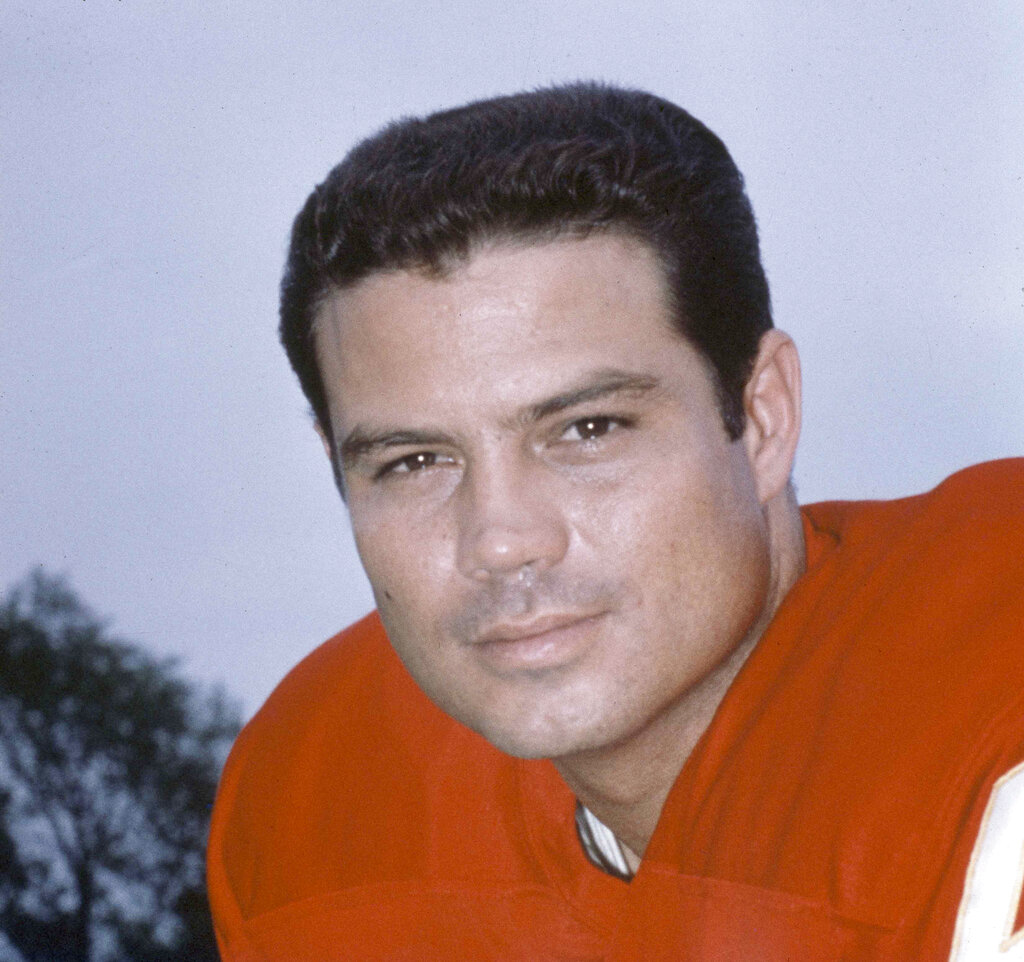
(602, 384)
(360, 441)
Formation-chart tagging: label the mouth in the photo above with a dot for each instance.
(547, 642)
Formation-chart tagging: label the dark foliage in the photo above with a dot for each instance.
(108, 766)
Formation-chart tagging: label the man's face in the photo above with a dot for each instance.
(562, 540)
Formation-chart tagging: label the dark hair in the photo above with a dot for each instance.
(564, 161)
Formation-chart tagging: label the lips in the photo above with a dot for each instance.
(543, 642)
(518, 631)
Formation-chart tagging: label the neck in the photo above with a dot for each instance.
(625, 785)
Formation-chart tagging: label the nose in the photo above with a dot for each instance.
(509, 519)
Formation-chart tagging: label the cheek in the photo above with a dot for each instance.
(405, 561)
(696, 548)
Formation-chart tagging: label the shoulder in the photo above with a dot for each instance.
(344, 674)
(927, 589)
(933, 561)
(912, 670)
(339, 708)
(339, 688)
(983, 500)
(341, 750)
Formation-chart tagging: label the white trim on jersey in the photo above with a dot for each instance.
(604, 840)
(992, 890)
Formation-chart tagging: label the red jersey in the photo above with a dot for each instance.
(859, 794)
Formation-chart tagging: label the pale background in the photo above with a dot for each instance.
(153, 445)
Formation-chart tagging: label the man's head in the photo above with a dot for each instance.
(563, 162)
(535, 334)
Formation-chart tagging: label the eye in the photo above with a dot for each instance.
(591, 428)
(412, 463)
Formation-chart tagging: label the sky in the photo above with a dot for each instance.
(154, 446)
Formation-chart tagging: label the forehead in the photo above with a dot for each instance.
(512, 322)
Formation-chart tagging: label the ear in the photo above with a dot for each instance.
(771, 401)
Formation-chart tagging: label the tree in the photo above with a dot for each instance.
(108, 765)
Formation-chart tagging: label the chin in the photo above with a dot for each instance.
(553, 739)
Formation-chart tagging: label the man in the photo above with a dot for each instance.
(536, 336)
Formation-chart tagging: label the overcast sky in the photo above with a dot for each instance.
(153, 445)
